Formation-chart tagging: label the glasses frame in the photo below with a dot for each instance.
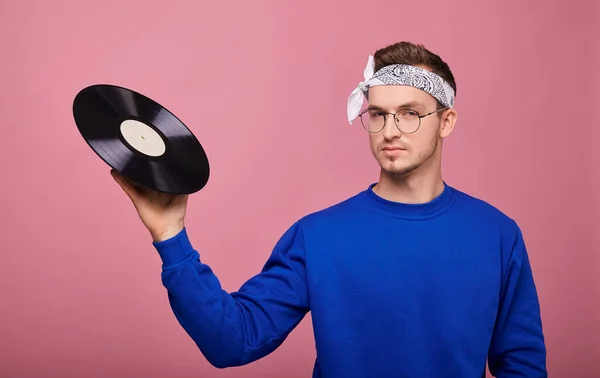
(396, 122)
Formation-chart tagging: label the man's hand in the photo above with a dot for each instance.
(162, 214)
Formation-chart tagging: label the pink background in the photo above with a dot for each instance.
(263, 85)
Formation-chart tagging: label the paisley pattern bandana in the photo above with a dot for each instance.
(399, 74)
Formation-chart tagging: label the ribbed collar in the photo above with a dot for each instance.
(429, 209)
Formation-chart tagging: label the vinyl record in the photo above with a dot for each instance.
(141, 139)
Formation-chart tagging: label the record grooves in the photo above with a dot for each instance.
(141, 139)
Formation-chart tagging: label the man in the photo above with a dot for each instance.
(408, 278)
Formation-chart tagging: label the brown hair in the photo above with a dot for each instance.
(415, 55)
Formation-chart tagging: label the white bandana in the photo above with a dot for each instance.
(399, 74)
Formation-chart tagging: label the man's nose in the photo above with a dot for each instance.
(390, 130)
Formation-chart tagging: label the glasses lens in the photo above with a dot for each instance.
(407, 121)
(372, 120)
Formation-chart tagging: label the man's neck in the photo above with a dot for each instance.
(413, 188)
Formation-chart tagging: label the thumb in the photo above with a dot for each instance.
(127, 187)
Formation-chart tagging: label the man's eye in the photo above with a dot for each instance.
(408, 113)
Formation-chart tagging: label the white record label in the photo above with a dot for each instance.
(143, 138)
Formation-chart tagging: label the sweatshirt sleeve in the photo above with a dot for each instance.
(517, 348)
(234, 329)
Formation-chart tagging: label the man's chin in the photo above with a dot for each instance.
(395, 166)
(396, 169)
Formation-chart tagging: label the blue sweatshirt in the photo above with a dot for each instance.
(394, 290)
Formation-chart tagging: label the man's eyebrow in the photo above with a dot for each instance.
(406, 105)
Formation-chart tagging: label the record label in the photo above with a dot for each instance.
(141, 139)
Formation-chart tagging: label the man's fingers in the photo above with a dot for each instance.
(124, 184)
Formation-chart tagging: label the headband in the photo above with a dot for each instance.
(399, 74)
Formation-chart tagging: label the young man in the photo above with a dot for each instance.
(408, 278)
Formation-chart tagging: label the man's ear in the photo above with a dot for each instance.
(448, 121)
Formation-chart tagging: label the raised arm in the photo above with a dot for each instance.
(518, 348)
(233, 329)
(230, 329)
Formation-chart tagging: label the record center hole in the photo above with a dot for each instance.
(143, 138)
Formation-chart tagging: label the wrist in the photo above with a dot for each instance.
(166, 233)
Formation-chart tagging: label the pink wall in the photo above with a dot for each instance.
(264, 85)
(593, 84)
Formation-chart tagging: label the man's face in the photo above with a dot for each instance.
(398, 153)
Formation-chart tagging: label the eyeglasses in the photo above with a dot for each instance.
(407, 121)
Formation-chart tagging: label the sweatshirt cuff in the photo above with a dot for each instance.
(176, 249)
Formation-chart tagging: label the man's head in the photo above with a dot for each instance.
(424, 120)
